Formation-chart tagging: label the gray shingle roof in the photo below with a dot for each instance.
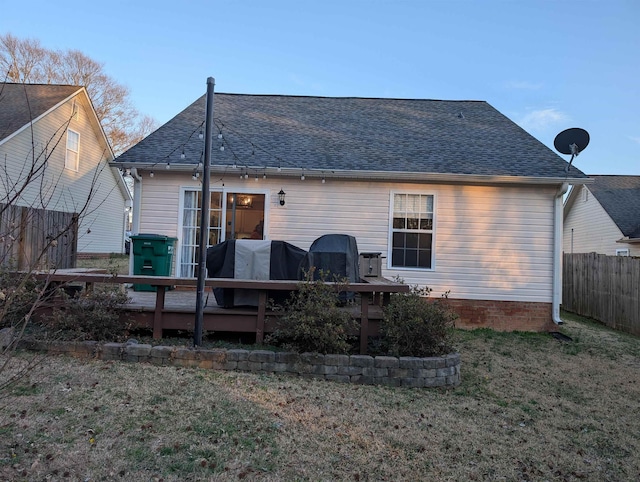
(620, 197)
(22, 103)
(356, 134)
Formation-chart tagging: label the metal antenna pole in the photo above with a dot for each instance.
(204, 214)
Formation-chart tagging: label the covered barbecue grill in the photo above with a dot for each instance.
(254, 260)
(334, 254)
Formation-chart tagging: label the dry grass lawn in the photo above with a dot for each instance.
(530, 407)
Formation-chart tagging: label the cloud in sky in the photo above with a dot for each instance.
(539, 120)
(635, 139)
(523, 85)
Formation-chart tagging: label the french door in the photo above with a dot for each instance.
(231, 216)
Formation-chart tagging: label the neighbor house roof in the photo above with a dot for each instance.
(620, 198)
(23, 103)
(389, 137)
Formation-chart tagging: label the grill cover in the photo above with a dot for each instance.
(254, 260)
(335, 254)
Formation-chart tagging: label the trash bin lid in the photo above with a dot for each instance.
(150, 236)
(370, 255)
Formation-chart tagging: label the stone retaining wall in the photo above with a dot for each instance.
(362, 369)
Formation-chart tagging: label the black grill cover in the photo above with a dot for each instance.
(252, 259)
(335, 254)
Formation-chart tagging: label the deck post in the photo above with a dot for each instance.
(157, 314)
(364, 322)
(262, 309)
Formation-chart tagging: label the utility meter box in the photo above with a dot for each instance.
(370, 265)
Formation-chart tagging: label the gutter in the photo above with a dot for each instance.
(137, 188)
(137, 197)
(558, 210)
(362, 175)
(628, 240)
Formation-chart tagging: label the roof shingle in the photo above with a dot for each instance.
(22, 103)
(357, 134)
(620, 197)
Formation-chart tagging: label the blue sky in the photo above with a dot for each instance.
(547, 65)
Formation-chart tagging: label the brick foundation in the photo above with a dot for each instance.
(503, 315)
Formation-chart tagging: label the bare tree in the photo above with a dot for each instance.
(26, 61)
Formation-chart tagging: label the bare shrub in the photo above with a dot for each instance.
(18, 294)
(91, 315)
(312, 320)
(415, 326)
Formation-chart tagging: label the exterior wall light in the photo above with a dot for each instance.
(281, 196)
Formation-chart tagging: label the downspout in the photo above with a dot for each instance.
(557, 254)
(135, 222)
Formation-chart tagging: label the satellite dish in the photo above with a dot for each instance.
(571, 141)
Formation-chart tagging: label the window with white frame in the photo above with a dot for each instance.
(72, 158)
(412, 231)
(622, 252)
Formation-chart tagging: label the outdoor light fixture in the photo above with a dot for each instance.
(281, 196)
(151, 174)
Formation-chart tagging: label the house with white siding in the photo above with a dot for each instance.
(453, 194)
(604, 217)
(55, 157)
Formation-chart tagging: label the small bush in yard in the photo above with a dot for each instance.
(312, 321)
(91, 315)
(18, 294)
(414, 326)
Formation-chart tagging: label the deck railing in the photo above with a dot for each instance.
(372, 290)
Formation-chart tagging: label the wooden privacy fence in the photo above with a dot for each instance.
(37, 238)
(606, 288)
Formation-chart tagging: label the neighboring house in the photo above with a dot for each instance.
(453, 194)
(604, 217)
(55, 158)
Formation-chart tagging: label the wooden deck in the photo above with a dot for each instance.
(174, 309)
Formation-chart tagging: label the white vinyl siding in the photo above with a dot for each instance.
(491, 242)
(101, 229)
(72, 158)
(589, 229)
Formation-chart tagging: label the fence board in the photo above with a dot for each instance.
(37, 238)
(605, 288)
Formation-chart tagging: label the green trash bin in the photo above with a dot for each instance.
(152, 256)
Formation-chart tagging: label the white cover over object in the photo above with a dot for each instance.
(252, 261)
